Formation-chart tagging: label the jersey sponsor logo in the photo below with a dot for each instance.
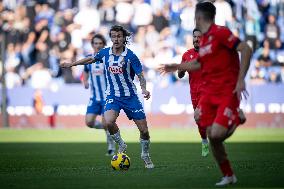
(137, 111)
(115, 69)
(205, 50)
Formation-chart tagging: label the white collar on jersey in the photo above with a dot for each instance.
(124, 53)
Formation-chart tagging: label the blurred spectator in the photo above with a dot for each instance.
(224, 12)
(38, 102)
(159, 20)
(236, 27)
(142, 14)
(187, 20)
(252, 31)
(11, 63)
(83, 18)
(151, 37)
(107, 12)
(124, 13)
(265, 67)
(272, 32)
(41, 33)
(274, 76)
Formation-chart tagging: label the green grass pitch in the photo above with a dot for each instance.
(75, 159)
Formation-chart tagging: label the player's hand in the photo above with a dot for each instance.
(166, 68)
(146, 94)
(65, 65)
(240, 89)
(86, 85)
(181, 74)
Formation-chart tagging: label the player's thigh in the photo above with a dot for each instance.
(227, 113)
(207, 111)
(113, 104)
(90, 118)
(133, 108)
(110, 116)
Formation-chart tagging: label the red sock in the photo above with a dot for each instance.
(226, 168)
(202, 132)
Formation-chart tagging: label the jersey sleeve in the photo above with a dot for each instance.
(86, 67)
(99, 56)
(227, 38)
(136, 64)
(183, 58)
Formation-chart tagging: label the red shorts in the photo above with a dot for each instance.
(219, 109)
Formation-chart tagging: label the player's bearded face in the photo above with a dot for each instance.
(117, 39)
(196, 39)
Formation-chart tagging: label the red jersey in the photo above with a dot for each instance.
(194, 76)
(219, 60)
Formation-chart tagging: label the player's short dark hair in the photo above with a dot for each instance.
(126, 33)
(208, 10)
(195, 30)
(99, 36)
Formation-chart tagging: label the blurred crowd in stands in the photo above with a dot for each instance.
(39, 34)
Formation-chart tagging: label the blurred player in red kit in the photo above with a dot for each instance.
(195, 83)
(223, 83)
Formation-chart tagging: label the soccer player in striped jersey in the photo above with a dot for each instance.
(94, 78)
(121, 65)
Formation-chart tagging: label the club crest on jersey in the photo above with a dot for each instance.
(122, 62)
(115, 69)
(210, 38)
(231, 38)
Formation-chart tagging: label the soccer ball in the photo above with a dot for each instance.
(120, 161)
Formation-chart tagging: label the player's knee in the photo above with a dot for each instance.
(215, 137)
(90, 123)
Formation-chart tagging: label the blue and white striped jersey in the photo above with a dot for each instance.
(120, 71)
(97, 80)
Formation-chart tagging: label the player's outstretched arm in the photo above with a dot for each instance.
(187, 66)
(83, 61)
(246, 53)
(143, 83)
(190, 66)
